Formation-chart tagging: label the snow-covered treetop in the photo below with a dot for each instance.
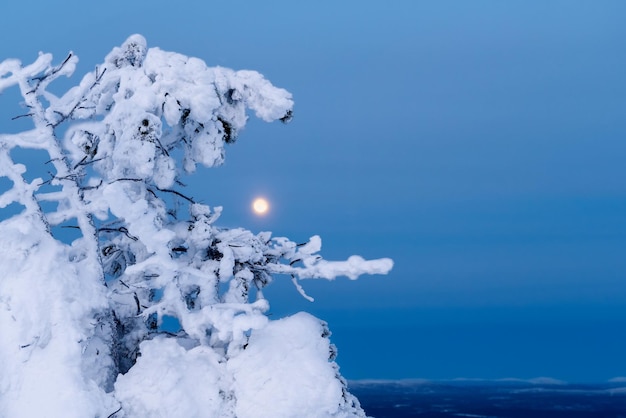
(118, 143)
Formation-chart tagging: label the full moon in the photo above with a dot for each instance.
(260, 206)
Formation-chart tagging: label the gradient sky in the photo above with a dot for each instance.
(480, 144)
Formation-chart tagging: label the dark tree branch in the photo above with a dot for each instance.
(22, 116)
(138, 304)
(91, 187)
(189, 199)
(84, 163)
(115, 413)
(124, 179)
(81, 100)
(121, 229)
(50, 73)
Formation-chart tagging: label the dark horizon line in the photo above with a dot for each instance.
(546, 381)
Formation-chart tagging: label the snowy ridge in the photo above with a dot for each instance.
(89, 309)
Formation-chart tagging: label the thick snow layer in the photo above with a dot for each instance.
(170, 381)
(46, 310)
(287, 369)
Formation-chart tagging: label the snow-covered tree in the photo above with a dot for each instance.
(81, 315)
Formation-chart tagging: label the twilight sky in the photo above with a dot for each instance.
(480, 144)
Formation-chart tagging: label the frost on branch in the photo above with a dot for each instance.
(92, 306)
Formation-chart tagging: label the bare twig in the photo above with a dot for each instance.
(115, 413)
(81, 100)
(91, 187)
(189, 199)
(124, 179)
(121, 229)
(47, 74)
(138, 304)
(22, 116)
(83, 162)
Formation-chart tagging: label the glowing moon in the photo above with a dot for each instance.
(260, 206)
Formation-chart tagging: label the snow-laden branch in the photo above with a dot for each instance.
(352, 268)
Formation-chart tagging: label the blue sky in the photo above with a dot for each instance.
(479, 144)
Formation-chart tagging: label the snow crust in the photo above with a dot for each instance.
(81, 319)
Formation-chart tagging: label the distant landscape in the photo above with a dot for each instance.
(506, 398)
